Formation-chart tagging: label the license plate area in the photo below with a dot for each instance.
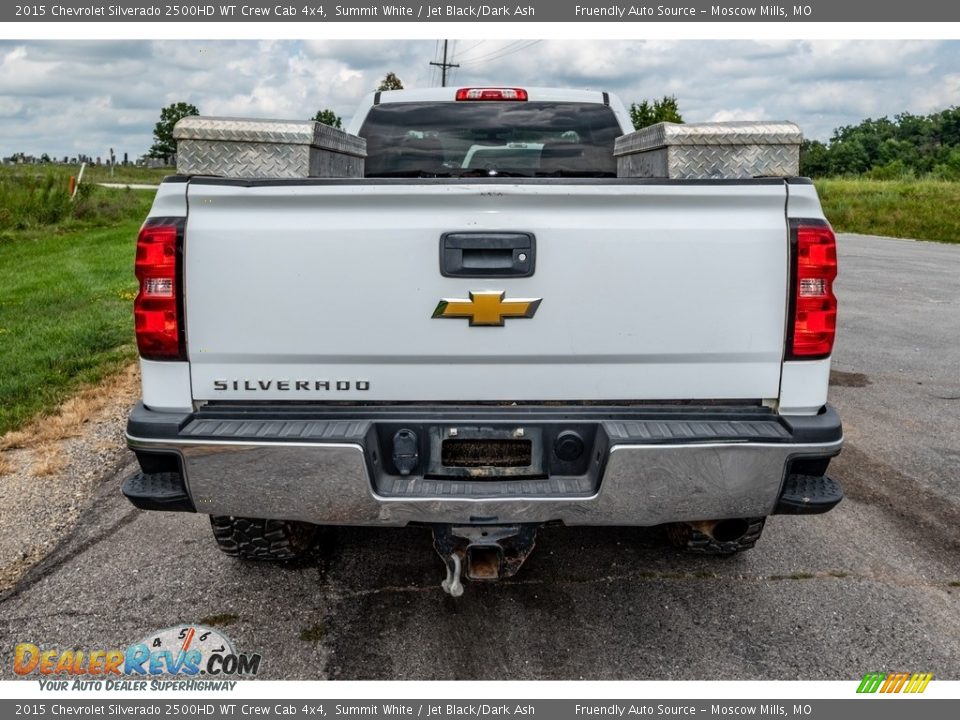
(485, 452)
(456, 452)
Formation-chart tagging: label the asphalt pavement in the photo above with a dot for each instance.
(872, 586)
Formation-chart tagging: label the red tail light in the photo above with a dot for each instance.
(814, 320)
(157, 309)
(492, 94)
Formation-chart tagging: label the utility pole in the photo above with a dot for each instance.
(444, 65)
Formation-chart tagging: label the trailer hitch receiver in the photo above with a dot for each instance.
(482, 553)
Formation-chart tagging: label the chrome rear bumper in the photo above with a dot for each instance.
(254, 468)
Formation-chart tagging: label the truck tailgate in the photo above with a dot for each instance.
(323, 291)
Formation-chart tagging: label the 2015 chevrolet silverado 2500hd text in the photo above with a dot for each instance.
(487, 331)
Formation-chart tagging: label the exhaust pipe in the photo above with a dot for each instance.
(716, 537)
(730, 530)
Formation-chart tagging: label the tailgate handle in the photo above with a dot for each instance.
(487, 254)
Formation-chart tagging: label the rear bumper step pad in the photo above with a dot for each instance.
(158, 491)
(808, 495)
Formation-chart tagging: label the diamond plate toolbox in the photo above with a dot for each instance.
(710, 150)
(252, 148)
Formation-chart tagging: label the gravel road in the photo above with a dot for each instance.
(872, 586)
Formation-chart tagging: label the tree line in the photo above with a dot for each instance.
(906, 146)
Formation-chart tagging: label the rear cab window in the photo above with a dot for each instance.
(488, 139)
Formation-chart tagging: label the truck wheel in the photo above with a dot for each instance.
(259, 539)
(716, 537)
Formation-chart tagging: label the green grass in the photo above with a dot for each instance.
(918, 209)
(33, 197)
(92, 173)
(128, 174)
(66, 292)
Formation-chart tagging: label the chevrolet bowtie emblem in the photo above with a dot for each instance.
(487, 308)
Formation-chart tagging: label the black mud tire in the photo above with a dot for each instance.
(692, 539)
(259, 539)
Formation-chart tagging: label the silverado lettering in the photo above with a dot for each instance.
(290, 385)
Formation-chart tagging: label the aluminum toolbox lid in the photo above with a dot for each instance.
(746, 132)
(255, 130)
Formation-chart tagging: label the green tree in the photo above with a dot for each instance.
(848, 157)
(814, 159)
(390, 82)
(896, 170)
(164, 146)
(891, 150)
(664, 110)
(950, 127)
(950, 168)
(908, 145)
(328, 117)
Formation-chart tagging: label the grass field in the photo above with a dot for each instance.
(92, 173)
(918, 209)
(35, 197)
(66, 295)
(130, 174)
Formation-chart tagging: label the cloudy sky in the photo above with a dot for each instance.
(66, 97)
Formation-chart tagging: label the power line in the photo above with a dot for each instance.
(483, 55)
(514, 50)
(503, 52)
(444, 65)
(475, 45)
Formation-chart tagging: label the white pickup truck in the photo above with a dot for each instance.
(488, 332)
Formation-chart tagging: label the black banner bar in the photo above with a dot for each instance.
(579, 11)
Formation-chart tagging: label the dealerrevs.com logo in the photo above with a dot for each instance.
(173, 658)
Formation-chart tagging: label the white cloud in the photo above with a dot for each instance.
(756, 113)
(79, 96)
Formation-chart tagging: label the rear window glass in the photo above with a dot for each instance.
(487, 139)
